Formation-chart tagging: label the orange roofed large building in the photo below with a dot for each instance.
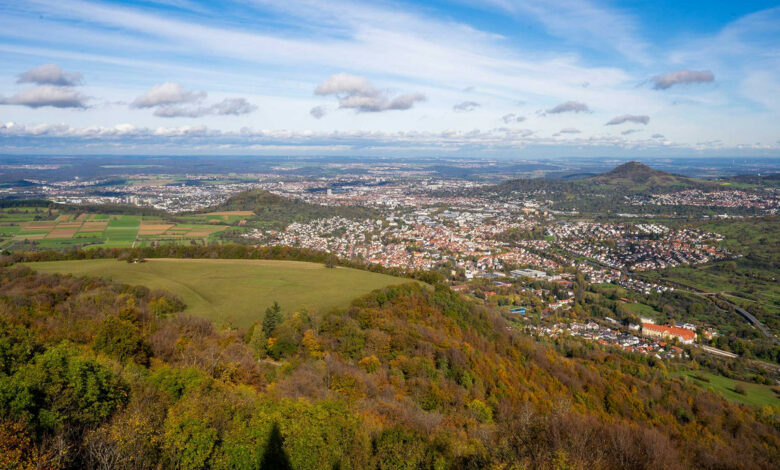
(670, 332)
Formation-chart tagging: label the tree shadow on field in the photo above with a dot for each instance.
(274, 455)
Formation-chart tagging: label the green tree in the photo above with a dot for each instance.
(273, 316)
(122, 340)
(258, 341)
(399, 448)
(188, 441)
(61, 390)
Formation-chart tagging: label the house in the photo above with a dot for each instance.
(684, 335)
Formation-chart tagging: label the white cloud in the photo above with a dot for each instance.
(358, 93)
(569, 107)
(172, 100)
(628, 118)
(47, 95)
(668, 80)
(167, 94)
(512, 117)
(232, 107)
(318, 112)
(466, 106)
(50, 74)
(361, 34)
(226, 107)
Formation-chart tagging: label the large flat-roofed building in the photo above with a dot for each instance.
(532, 273)
(685, 336)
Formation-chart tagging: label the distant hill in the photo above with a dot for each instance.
(604, 193)
(631, 177)
(276, 211)
(637, 176)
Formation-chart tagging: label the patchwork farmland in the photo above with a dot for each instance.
(44, 228)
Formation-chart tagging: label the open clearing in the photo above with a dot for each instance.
(235, 292)
(755, 394)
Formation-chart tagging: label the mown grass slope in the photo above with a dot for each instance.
(231, 291)
(753, 394)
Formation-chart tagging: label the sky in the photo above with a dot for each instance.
(492, 78)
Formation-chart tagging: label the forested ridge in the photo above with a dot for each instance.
(100, 375)
(274, 211)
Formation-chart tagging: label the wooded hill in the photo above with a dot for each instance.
(631, 177)
(276, 211)
(98, 375)
(605, 194)
(638, 177)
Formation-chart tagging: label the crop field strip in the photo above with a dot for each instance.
(23, 226)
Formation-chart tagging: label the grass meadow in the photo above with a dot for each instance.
(235, 293)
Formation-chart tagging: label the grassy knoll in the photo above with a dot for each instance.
(235, 292)
(755, 394)
(641, 310)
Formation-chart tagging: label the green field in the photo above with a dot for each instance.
(755, 394)
(235, 292)
(36, 228)
(641, 310)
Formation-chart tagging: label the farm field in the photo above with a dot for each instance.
(755, 394)
(235, 292)
(40, 228)
(221, 217)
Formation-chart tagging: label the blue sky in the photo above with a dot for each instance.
(496, 78)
